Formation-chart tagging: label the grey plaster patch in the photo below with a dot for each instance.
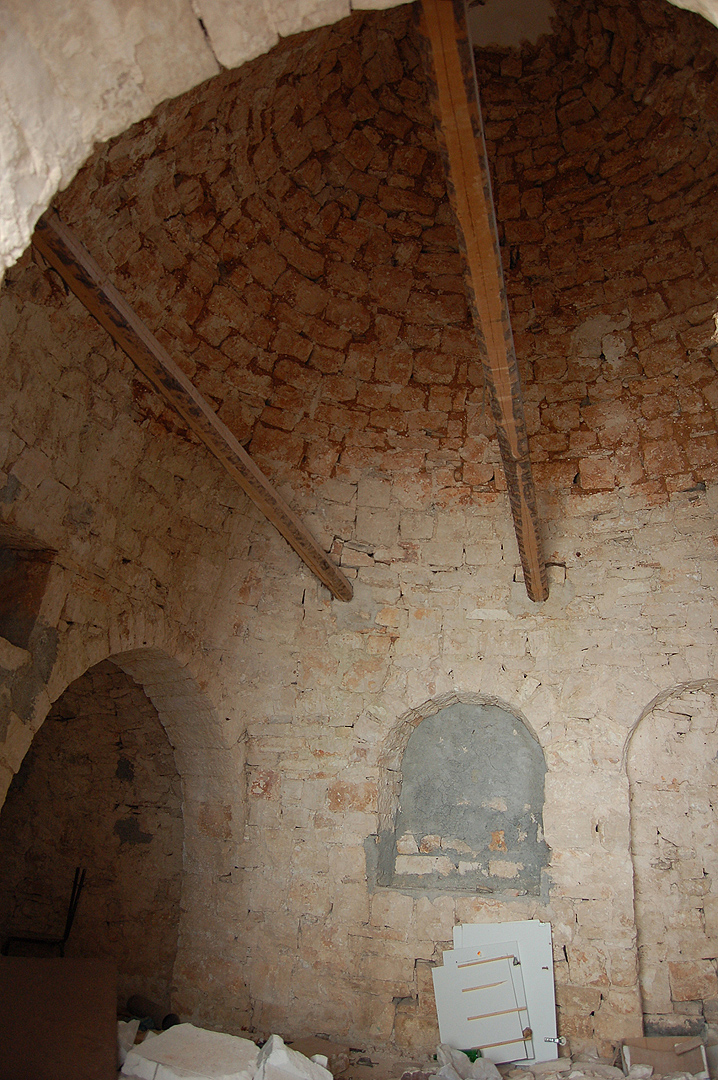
(470, 809)
(129, 831)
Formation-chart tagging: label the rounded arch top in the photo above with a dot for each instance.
(675, 691)
(188, 716)
(186, 713)
(461, 799)
(396, 742)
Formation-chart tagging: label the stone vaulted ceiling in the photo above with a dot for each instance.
(284, 231)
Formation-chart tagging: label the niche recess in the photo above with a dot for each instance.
(468, 804)
(24, 569)
(673, 776)
(98, 788)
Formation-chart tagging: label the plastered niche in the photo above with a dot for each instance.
(469, 804)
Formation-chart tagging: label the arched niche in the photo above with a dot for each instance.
(672, 765)
(461, 800)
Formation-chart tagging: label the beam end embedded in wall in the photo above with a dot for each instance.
(449, 64)
(64, 251)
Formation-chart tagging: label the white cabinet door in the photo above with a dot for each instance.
(536, 952)
(481, 1002)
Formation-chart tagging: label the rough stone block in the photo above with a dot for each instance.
(693, 980)
(192, 1053)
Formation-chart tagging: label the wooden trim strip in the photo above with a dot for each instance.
(64, 251)
(487, 960)
(502, 1012)
(484, 986)
(508, 1042)
(449, 64)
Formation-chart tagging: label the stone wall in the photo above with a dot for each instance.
(98, 789)
(311, 284)
(672, 772)
(285, 232)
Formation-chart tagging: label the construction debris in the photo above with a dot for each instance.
(277, 1062)
(337, 1055)
(185, 1052)
(667, 1054)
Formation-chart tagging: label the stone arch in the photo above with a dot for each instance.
(208, 764)
(462, 711)
(670, 759)
(69, 99)
(98, 788)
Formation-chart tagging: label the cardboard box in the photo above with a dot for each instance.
(660, 1052)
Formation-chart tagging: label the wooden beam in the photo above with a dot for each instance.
(63, 250)
(449, 63)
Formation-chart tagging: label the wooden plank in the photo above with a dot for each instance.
(449, 63)
(58, 1019)
(63, 250)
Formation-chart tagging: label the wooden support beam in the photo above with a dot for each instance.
(449, 63)
(63, 250)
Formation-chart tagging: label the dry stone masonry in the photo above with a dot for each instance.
(672, 772)
(284, 230)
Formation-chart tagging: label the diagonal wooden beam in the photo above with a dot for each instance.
(449, 63)
(63, 250)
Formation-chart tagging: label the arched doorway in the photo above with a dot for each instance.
(99, 788)
(208, 756)
(673, 776)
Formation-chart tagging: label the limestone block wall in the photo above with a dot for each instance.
(285, 231)
(310, 283)
(99, 789)
(633, 614)
(84, 480)
(671, 767)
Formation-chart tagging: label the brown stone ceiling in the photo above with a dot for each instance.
(284, 230)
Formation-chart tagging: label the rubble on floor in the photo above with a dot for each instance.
(593, 1068)
(185, 1052)
(190, 1053)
